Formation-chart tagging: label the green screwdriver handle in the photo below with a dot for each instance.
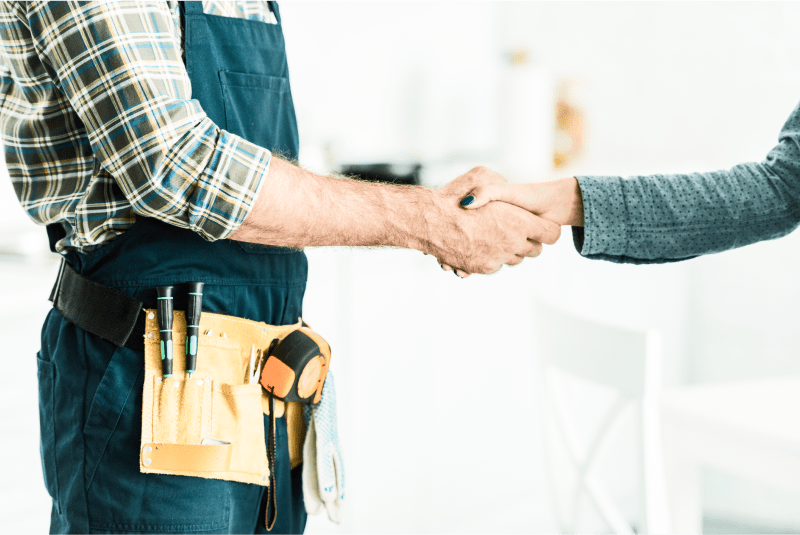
(193, 309)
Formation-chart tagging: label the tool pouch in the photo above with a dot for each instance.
(212, 425)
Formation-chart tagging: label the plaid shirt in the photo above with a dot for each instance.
(99, 127)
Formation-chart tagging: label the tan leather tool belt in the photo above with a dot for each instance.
(212, 425)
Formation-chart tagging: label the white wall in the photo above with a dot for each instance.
(393, 80)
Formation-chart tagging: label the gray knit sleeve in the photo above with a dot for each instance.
(667, 218)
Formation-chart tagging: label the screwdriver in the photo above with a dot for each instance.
(193, 324)
(165, 328)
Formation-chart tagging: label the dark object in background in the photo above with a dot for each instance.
(385, 172)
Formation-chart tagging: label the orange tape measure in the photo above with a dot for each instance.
(297, 366)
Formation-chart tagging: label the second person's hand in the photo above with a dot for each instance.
(559, 200)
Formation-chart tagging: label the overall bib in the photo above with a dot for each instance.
(90, 391)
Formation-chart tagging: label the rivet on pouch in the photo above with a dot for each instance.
(224, 335)
(264, 330)
(208, 378)
(158, 379)
(147, 462)
(209, 333)
(151, 316)
(263, 478)
(199, 382)
(150, 335)
(177, 384)
(148, 449)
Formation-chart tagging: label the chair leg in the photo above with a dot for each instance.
(683, 488)
(656, 509)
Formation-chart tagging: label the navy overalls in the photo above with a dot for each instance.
(90, 391)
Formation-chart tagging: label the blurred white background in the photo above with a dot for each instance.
(438, 417)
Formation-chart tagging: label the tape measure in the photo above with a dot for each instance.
(297, 366)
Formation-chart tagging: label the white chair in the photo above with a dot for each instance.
(628, 361)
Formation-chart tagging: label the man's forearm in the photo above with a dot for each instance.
(297, 208)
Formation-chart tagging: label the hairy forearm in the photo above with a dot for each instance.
(297, 208)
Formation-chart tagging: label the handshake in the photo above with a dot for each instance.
(489, 222)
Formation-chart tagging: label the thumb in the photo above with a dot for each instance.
(510, 193)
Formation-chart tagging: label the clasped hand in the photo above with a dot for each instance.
(484, 235)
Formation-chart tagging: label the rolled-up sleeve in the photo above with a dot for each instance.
(120, 67)
(667, 218)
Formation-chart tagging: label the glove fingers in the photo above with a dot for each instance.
(338, 467)
(332, 478)
(311, 497)
(328, 471)
(326, 474)
(334, 495)
(332, 508)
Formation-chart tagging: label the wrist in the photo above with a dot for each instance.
(566, 202)
(412, 216)
(574, 201)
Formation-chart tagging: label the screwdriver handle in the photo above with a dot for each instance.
(165, 309)
(193, 311)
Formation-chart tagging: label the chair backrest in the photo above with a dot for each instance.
(625, 359)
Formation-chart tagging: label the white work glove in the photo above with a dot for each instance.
(323, 471)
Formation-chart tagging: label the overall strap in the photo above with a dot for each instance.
(196, 8)
(274, 7)
(193, 8)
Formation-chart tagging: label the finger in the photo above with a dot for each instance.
(516, 261)
(446, 267)
(518, 194)
(532, 250)
(491, 269)
(462, 274)
(543, 230)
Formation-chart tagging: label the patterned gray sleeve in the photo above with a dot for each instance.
(667, 218)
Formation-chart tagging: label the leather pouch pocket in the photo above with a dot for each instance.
(237, 415)
(181, 410)
(212, 424)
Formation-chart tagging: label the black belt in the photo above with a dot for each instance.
(98, 309)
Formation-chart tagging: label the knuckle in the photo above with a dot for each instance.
(554, 234)
(479, 169)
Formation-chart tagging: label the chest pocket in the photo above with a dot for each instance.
(259, 108)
